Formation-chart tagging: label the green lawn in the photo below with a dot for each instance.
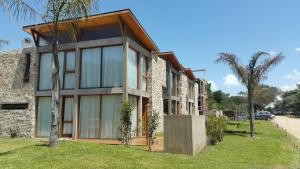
(270, 149)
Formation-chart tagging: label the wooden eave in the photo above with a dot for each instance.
(189, 73)
(170, 56)
(101, 20)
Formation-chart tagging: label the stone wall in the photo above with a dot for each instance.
(14, 90)
(196, 95)
(183, 89)
(157, 80)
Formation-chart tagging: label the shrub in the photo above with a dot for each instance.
(215, 127)
(126, 122)
(151, 127)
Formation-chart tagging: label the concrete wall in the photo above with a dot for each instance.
(14, 90)
(157, 80)
(184, 134)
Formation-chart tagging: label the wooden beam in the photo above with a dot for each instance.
(35, 38)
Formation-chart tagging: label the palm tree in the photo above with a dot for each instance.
(56, 11)
(251, 75)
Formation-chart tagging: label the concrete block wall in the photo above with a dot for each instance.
(184, 134)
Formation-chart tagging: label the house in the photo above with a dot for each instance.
(112, 59)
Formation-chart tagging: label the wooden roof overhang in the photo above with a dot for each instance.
(98, 20)
(189, 73)
(171, 57)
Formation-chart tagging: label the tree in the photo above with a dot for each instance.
(251, 75)
(126, 122)
(264, 95)
(56, 11)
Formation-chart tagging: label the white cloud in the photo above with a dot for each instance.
(289, 87)
(213, 85)
(298, 49)
(295, 75)
(230, 80)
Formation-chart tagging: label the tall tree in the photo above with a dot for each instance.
(56, 11)
(251, 75)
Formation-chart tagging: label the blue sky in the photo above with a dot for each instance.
(198, 30)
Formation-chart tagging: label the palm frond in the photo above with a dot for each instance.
(255, 59)
(267, 65)
(233, 62)
(19, 8)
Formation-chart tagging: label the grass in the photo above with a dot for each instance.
(270, 149)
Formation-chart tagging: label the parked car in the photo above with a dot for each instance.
(264, 115)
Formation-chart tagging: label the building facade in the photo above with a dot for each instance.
(111, 60)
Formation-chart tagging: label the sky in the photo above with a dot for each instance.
(197, 30)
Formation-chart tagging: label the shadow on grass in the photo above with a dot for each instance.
(14, 150)
(242, 133)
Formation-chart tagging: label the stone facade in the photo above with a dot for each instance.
(13, 91)
(157, 80)
(183, 89)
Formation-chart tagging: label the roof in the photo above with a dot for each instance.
(100, 20)
(189, 73)
(171, 57)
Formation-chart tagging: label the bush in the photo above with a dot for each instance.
(152, 126)
(215, 127)
(126, 122)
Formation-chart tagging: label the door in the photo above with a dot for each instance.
(67, 117)
(144, 116)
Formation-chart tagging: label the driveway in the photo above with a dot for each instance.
(291, 125)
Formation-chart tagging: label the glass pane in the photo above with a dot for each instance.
(69, 106)
(70, 65)
(112, 66)
(90, 68)
(89, 116)
(45, 72)
(132, 69)
(133, 100)
(68, 127)
(44, 117)
(69, 81)
(144, 73)
(111, 116)
(61, 67)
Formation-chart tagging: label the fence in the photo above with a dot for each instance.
(184, 134)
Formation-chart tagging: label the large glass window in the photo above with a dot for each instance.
(111, 116)
(144, 73)
(132, 69)
(112, 71)
(44, 117)
(89, 116)
(90, 68)
(45, 71)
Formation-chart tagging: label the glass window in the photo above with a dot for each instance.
(166, 106)
(45, 71)
(69, 80)
(112, 66)
(111, 116)
(89, 116)
(90, 68)
(68, 116)
(144, 73)
(132, 69)
(44, 117)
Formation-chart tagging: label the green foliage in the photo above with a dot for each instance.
(264, 95)
(152, 126)
(290, 101)
(215, 127)
(126, 122)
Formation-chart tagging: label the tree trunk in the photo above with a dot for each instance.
(54, 133)
(251, 113)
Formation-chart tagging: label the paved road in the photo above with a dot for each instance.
(291, 125)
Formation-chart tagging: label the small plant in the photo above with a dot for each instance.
(215, 127)
(126, 122)
(151, 127)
